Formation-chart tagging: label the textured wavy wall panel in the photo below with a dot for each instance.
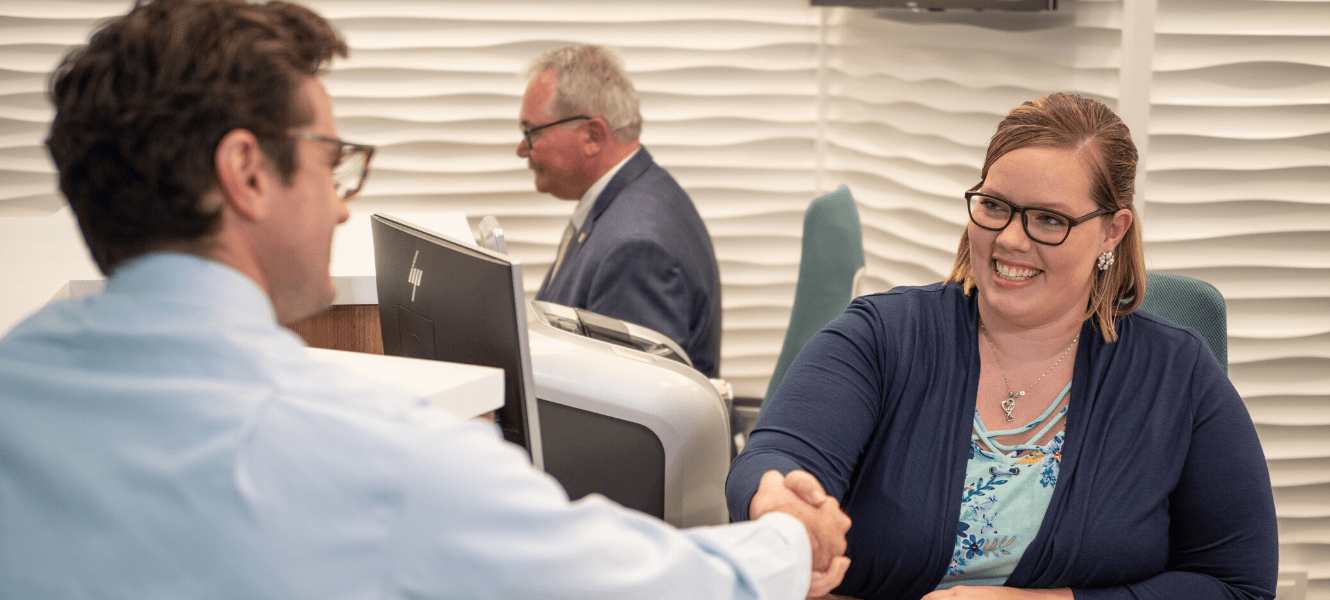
(913, 98)
(759, 105)
(1236, 180)
(728, 95)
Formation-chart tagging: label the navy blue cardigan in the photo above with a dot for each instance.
(1163, 490)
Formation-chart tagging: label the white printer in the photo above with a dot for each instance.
(623, 414)
(604, 406)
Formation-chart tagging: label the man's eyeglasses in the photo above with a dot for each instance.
(526, 133)
(351, 166)
(1045, 226)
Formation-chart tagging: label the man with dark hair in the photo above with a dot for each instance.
(163, 146)
(635, 248)
(167, 438)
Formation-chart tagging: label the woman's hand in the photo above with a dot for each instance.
(997, 592)
(824, 581)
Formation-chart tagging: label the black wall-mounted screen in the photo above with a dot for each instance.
(938, 5)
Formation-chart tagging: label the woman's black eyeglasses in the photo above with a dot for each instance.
(1045, 226)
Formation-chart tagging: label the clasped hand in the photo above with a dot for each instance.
(800, 495)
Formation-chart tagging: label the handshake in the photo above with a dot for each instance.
(800, 495)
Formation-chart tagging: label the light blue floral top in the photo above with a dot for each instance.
(1006, 494)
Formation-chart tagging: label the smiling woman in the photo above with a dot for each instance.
(1021, 430)
(1074, 153)
(1030, 283)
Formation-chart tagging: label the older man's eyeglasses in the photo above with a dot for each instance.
(351, 166)
(526, 132)
(1045, 226)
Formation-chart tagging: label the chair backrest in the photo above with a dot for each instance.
(832, 256)
(1191, 303)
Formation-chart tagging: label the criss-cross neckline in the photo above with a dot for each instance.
(982, 433)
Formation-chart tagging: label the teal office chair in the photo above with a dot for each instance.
(1191, 303)
(831, 261)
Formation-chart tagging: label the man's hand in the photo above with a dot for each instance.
(800, 495)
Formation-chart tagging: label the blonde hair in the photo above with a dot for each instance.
(1077, 123)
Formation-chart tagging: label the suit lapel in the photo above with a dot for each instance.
(634, 168)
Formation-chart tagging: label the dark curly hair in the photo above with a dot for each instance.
(141, 109)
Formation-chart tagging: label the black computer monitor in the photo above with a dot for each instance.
(444, 299)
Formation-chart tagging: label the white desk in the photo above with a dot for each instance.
(352, 265)
(464, 390)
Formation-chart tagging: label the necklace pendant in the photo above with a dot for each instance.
(1009, 404)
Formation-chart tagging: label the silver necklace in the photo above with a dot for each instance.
(1009, 403)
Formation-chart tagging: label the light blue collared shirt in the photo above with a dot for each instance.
(168, 439)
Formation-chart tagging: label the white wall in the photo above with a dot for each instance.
(758, 105)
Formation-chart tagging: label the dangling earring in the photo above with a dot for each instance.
(1105, 261)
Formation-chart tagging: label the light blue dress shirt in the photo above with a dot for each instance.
(167, 439)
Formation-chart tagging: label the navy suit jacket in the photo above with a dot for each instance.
(644, 256)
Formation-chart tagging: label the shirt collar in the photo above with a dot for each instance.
(588, 200)
(187, 279)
